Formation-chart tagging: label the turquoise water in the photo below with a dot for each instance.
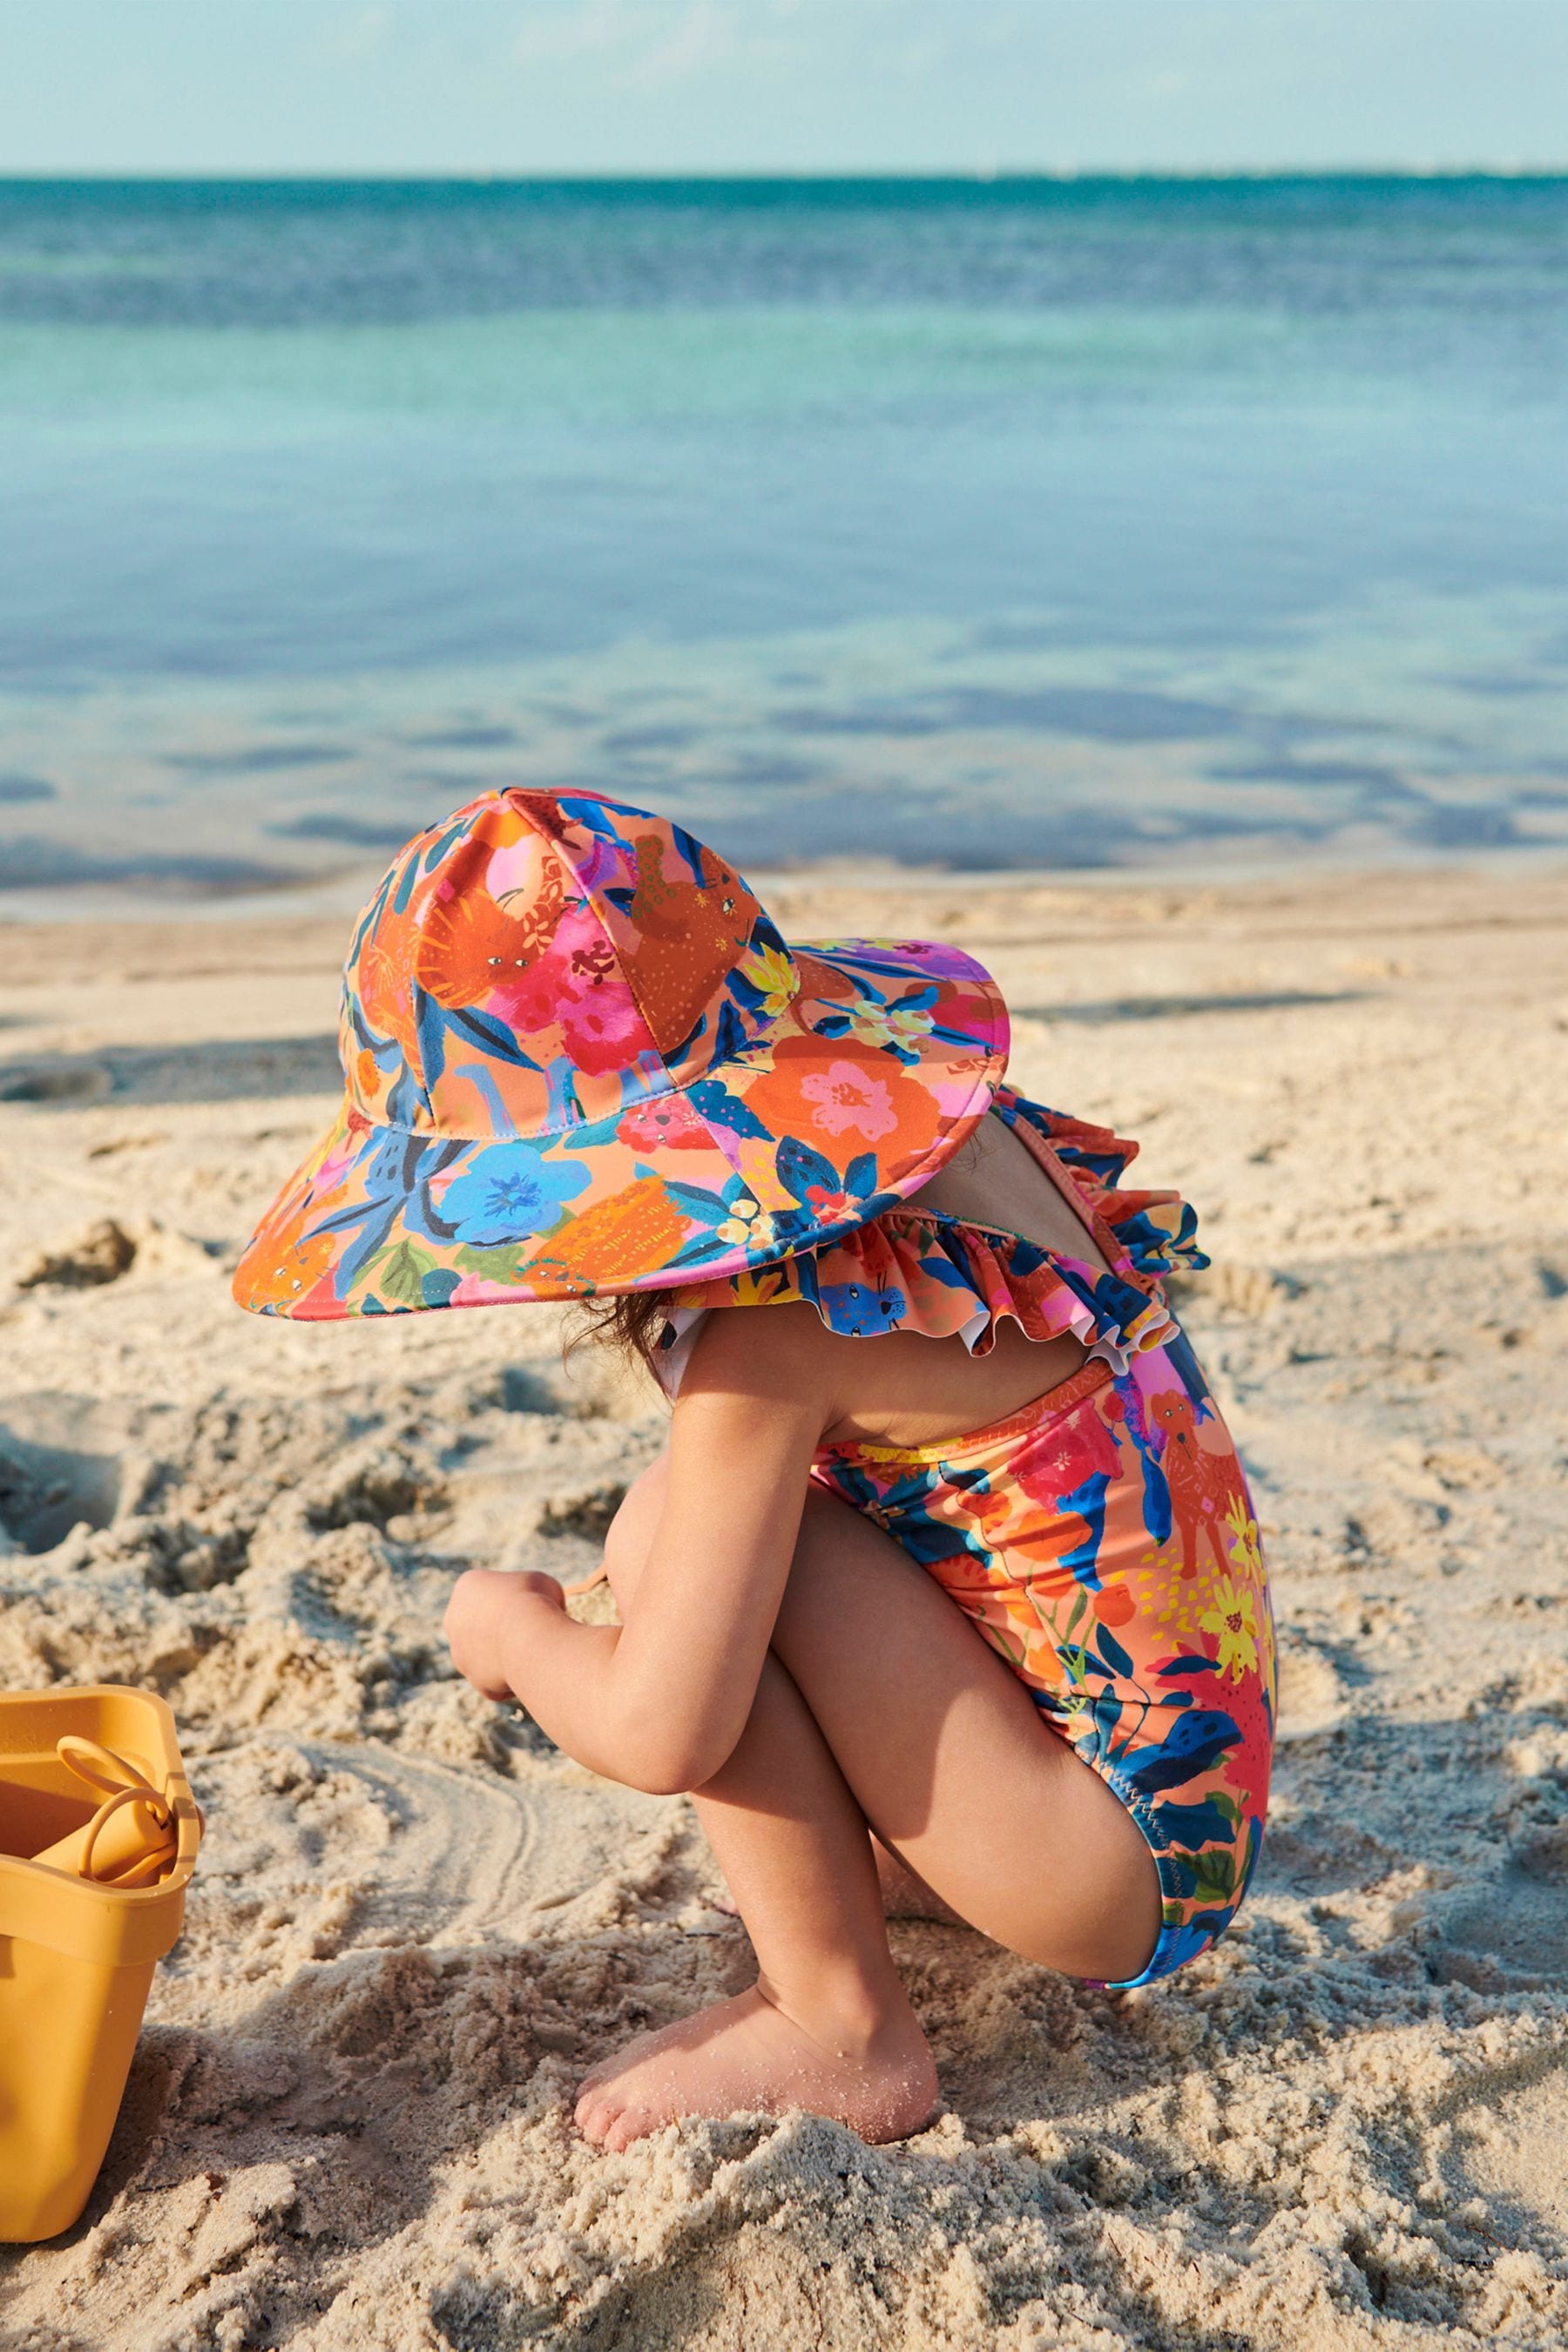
(1016, 524)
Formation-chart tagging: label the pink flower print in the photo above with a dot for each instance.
(538, 997)
(846, 1095)
(603, 1030)
(1063, 1456)
(668, 1120)
(580, 944)
(514, 869)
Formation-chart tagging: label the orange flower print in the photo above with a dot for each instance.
(844, 1100)
(385, 994)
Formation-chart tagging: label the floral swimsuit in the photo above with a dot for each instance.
(1103, 1538)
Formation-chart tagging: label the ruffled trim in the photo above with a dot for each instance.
(913, 1269)
(1156, 1231)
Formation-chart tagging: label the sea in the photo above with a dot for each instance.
(1009, 526)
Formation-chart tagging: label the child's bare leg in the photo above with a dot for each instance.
(829, 2025)
(893, 1711)
(905, 1895)
(949, 1761)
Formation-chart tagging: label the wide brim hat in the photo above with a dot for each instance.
(580, 1059)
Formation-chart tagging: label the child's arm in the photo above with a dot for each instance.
(660, 1702)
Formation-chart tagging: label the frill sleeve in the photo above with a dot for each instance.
(911, 1271)
(1157, 1230)
(914, 1269)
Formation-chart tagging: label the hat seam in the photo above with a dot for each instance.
(675, 1086)
(590, 898)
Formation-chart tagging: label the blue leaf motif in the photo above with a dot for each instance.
(1111, 1651)
(802, 1171)
(720, 1108)
(1196, 1825)
(860, 1176)
(698, 1203)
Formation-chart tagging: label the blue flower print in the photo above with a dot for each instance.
(506, 1195)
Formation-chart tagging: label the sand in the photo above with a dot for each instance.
(415, 1925)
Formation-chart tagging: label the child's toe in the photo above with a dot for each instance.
(594, 2114)
(631, 2124)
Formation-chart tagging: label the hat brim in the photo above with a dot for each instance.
(867, 1082)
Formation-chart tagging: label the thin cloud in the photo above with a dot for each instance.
(595, 29)
(654, 45)
(357, 35)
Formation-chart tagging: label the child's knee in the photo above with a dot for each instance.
(630, 1533)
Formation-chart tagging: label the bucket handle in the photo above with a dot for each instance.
(101, 1767)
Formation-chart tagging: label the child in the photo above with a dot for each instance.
(971, 1620)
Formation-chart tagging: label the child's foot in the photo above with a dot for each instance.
(745, 2055)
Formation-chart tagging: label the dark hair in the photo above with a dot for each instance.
(631, 1322)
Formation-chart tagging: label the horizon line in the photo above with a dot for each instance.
(980, 175)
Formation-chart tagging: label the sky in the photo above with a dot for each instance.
(702, 86)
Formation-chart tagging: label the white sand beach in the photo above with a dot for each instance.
(415, 1925)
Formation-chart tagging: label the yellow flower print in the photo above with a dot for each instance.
(1234, 1618)
(1245, 1549)
(747, 1226)
(774, 975)
(888, 1024)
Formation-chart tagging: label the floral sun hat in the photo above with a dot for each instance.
(580, 1058)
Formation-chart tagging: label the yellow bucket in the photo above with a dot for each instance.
(97, 1840)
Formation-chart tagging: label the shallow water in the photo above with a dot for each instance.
(1029, 523)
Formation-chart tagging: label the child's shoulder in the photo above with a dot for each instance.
(789, 1353)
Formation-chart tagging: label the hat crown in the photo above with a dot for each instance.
(543, 960)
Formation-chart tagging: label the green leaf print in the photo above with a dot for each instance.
(401, 1271)
(1012, 1645)
(1214, 1875)
(498, 1264)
